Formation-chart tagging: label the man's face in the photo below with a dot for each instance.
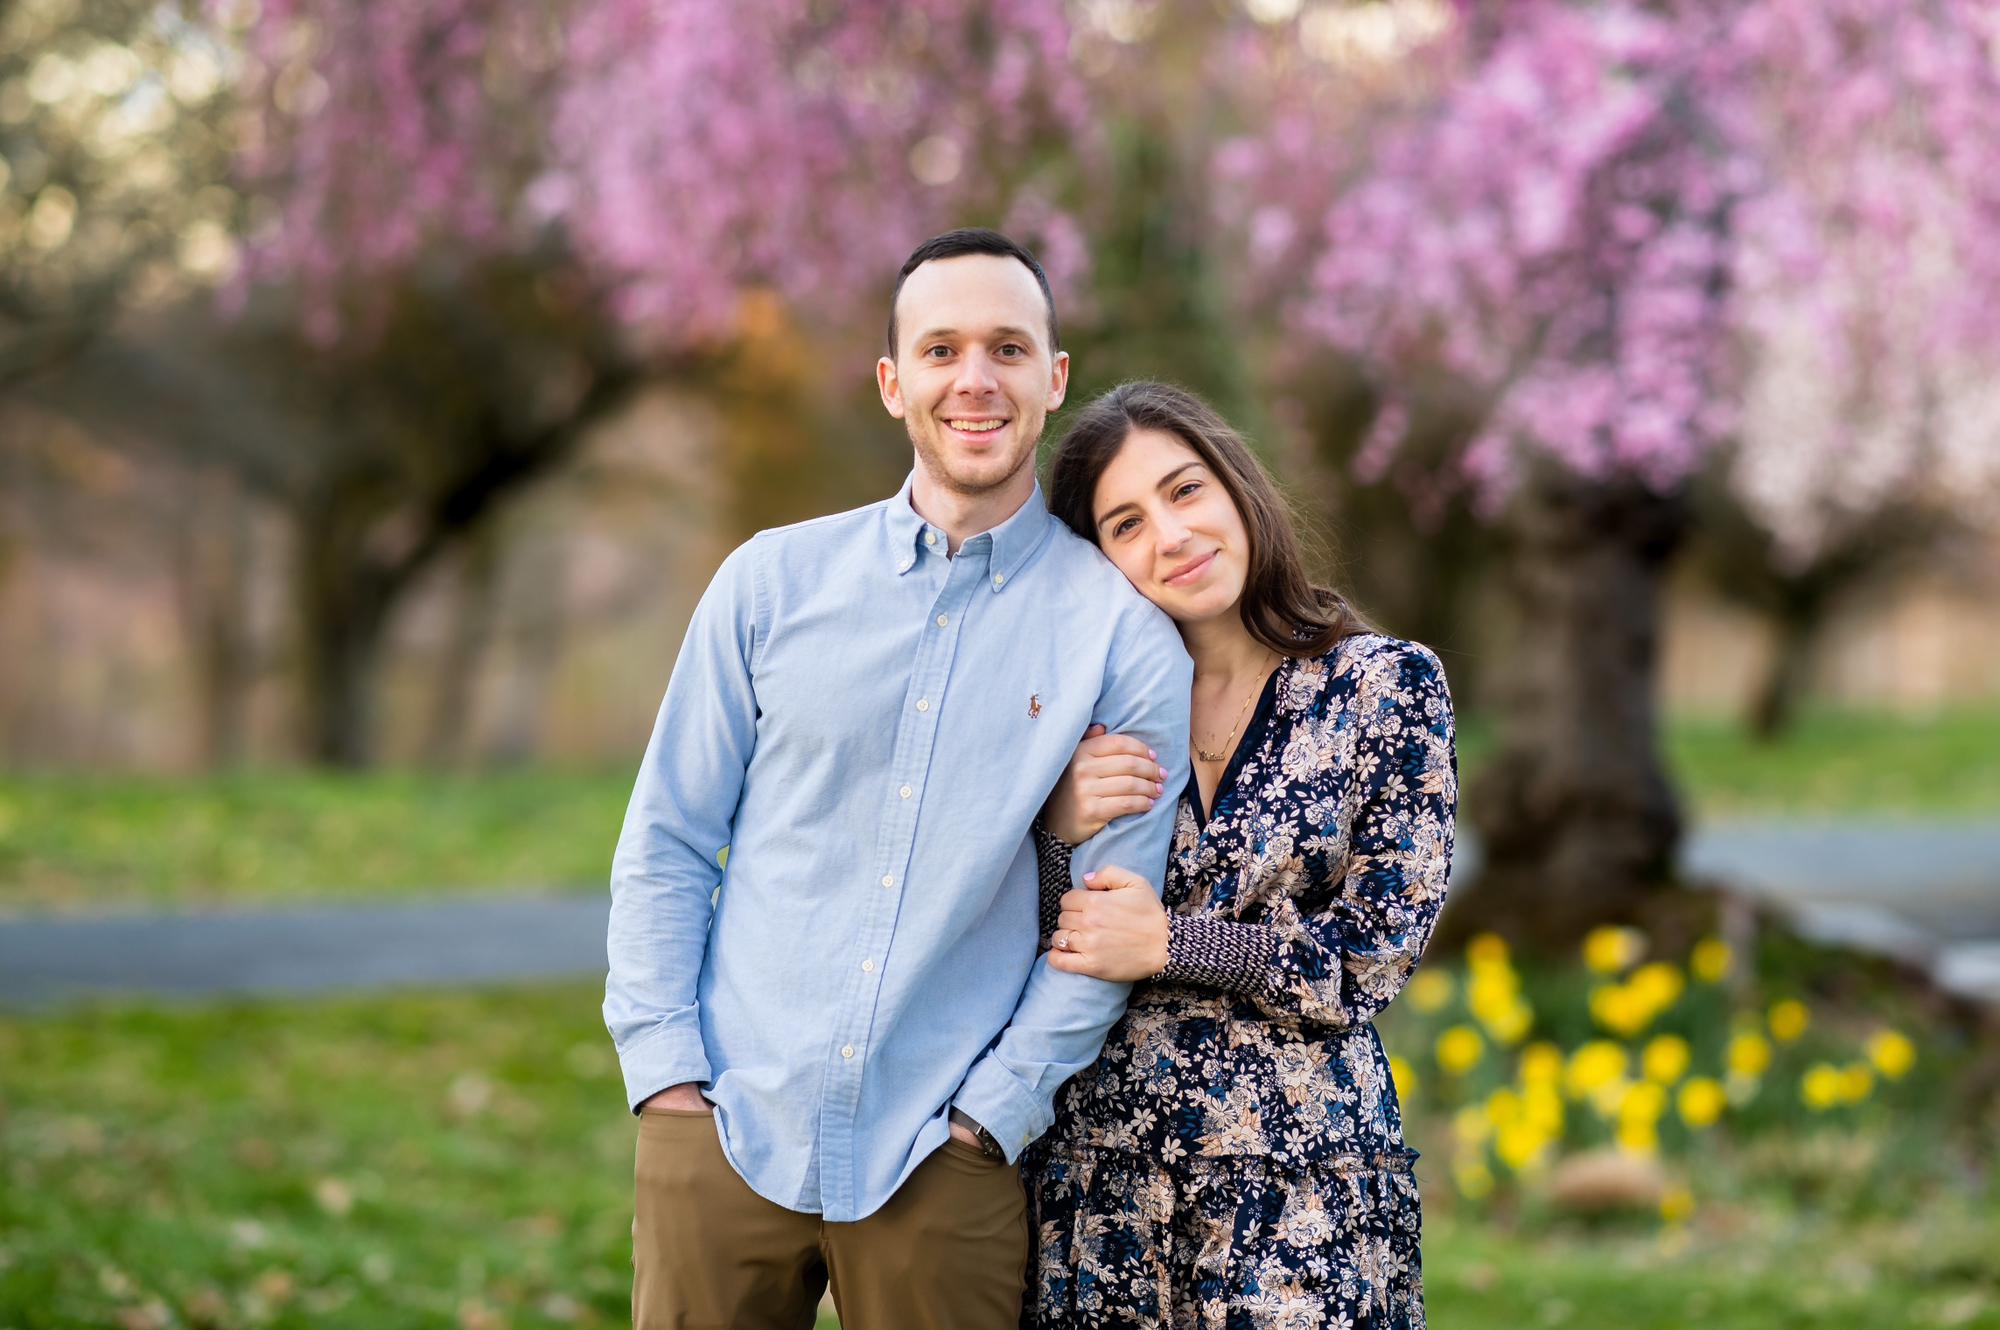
(974, 376)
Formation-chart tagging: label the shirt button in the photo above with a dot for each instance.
(868, 967)
(888, 879)
(943, 619)
(999, 579)
(923, 704)
(847, 1050)
(930, 537)
(905, 791)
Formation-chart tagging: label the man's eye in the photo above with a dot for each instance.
(1012, 350)
(935, 351)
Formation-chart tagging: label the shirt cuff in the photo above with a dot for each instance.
(1207, 952)
(670, 1056)
(993, 1098)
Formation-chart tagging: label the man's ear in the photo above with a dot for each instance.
(891, 387)
(1058, 379)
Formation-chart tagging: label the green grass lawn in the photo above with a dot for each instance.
(90, 842)
(465, 1160)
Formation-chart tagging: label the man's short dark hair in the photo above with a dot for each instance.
(973, 240)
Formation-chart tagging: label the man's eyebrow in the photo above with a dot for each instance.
(1008, 332)
(1163, 482)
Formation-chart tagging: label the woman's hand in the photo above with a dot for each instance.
(1117, 929)
(1109, 776)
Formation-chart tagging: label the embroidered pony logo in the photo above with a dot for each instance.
(1034, 705)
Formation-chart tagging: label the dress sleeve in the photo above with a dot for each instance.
(1341, 966)
(1052, 855)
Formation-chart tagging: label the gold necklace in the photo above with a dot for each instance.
(1223, 752)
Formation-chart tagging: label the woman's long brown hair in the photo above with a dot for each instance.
(1281, 606)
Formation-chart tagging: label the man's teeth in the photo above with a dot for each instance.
(976, 426)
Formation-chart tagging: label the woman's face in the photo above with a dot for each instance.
(1165, 519)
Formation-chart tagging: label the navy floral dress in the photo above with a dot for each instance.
(1234, 1160)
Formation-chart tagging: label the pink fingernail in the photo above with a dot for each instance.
(1090, 877)
(1155, 756)
(1163, 773)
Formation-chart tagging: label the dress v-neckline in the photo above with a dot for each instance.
(1230, 771)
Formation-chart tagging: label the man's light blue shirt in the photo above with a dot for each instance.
(870, 727)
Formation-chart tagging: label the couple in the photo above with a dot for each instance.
(856, 1053)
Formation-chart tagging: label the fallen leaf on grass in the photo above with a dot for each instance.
(334, 1196)
(146, 1316)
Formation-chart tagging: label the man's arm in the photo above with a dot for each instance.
(665, 871)
(1059, 1025)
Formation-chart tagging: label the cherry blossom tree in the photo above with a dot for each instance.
(492, 220)
(1630, 244)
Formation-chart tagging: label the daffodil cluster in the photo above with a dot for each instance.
(1662, 1052)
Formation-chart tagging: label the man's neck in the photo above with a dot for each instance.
(962, 516)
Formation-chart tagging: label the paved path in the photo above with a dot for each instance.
(1927, 892)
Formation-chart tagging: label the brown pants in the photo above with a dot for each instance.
(948, 1252)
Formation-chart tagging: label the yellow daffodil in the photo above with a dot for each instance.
(1471, 1127)
(1638, 1136)
(1541, 1062)
(1430, 990)
(1618, 1009)
(1676, 1205)
(1486, 950)
(1892, 1053)
(1658, 984)
(1405, 1077)
(1606, 1098)
(1665, 1059)
(1701, 1101)
(1856, 1080)
(1710, 960)
(1510, 1022)
(1749, 1054)
(1502, 1107)
(1820, 1087)
(1520, 1146)
(1542, 1108)
(1459, 1049)
(1609, 950)
(1592, 1065)
(1788, 1020)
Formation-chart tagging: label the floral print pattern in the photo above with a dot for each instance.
(1235, 1158)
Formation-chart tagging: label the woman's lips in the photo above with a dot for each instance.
(1192, 572)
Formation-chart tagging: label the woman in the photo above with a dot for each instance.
(1235, 1157)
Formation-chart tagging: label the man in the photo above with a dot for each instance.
(837, 1056)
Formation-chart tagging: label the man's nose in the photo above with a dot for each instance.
(975, 374)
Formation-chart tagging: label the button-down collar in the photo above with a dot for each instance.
(1014, 541)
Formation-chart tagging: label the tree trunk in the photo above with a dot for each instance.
(1776, 703)
(1577, 817)
(343, 606)
(465, 651)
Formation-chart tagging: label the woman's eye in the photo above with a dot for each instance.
(1182, 491)
(1124, 526)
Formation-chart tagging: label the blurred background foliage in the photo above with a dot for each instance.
(379, 386)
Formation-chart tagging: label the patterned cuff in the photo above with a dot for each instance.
(1052, 856)
(1214, 953)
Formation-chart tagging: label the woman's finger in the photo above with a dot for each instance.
(1112, 878)
(1069, 919)
(1106, 787)
(1106, 810)
(1116, 745)
(1145, 768)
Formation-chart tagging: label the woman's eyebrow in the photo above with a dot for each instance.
(1162, 483)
